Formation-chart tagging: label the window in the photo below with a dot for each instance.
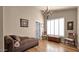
(48, 27)
(52, 27)
(55, 27)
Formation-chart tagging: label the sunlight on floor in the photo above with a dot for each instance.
(54, 49)
(48, 46)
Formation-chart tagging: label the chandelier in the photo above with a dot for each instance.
(47, 12)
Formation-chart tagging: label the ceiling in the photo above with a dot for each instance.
(55, 7)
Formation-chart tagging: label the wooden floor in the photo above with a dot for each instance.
(48, 46)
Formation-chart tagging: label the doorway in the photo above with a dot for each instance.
(38, 30)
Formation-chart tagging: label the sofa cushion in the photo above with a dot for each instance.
(15, 37)
(23, 38)
(8, 39)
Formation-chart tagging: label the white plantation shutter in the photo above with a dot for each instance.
(55, 27)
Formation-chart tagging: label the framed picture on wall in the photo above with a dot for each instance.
(23, 22)
(70, 25)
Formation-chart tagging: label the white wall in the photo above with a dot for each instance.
(1, 28)
(12, 17)
(69, 15)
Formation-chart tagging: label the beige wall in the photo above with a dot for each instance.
(1, 28)
(78, 26)
(69, 15)
(12, 17)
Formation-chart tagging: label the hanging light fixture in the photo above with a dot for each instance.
(47, 12)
